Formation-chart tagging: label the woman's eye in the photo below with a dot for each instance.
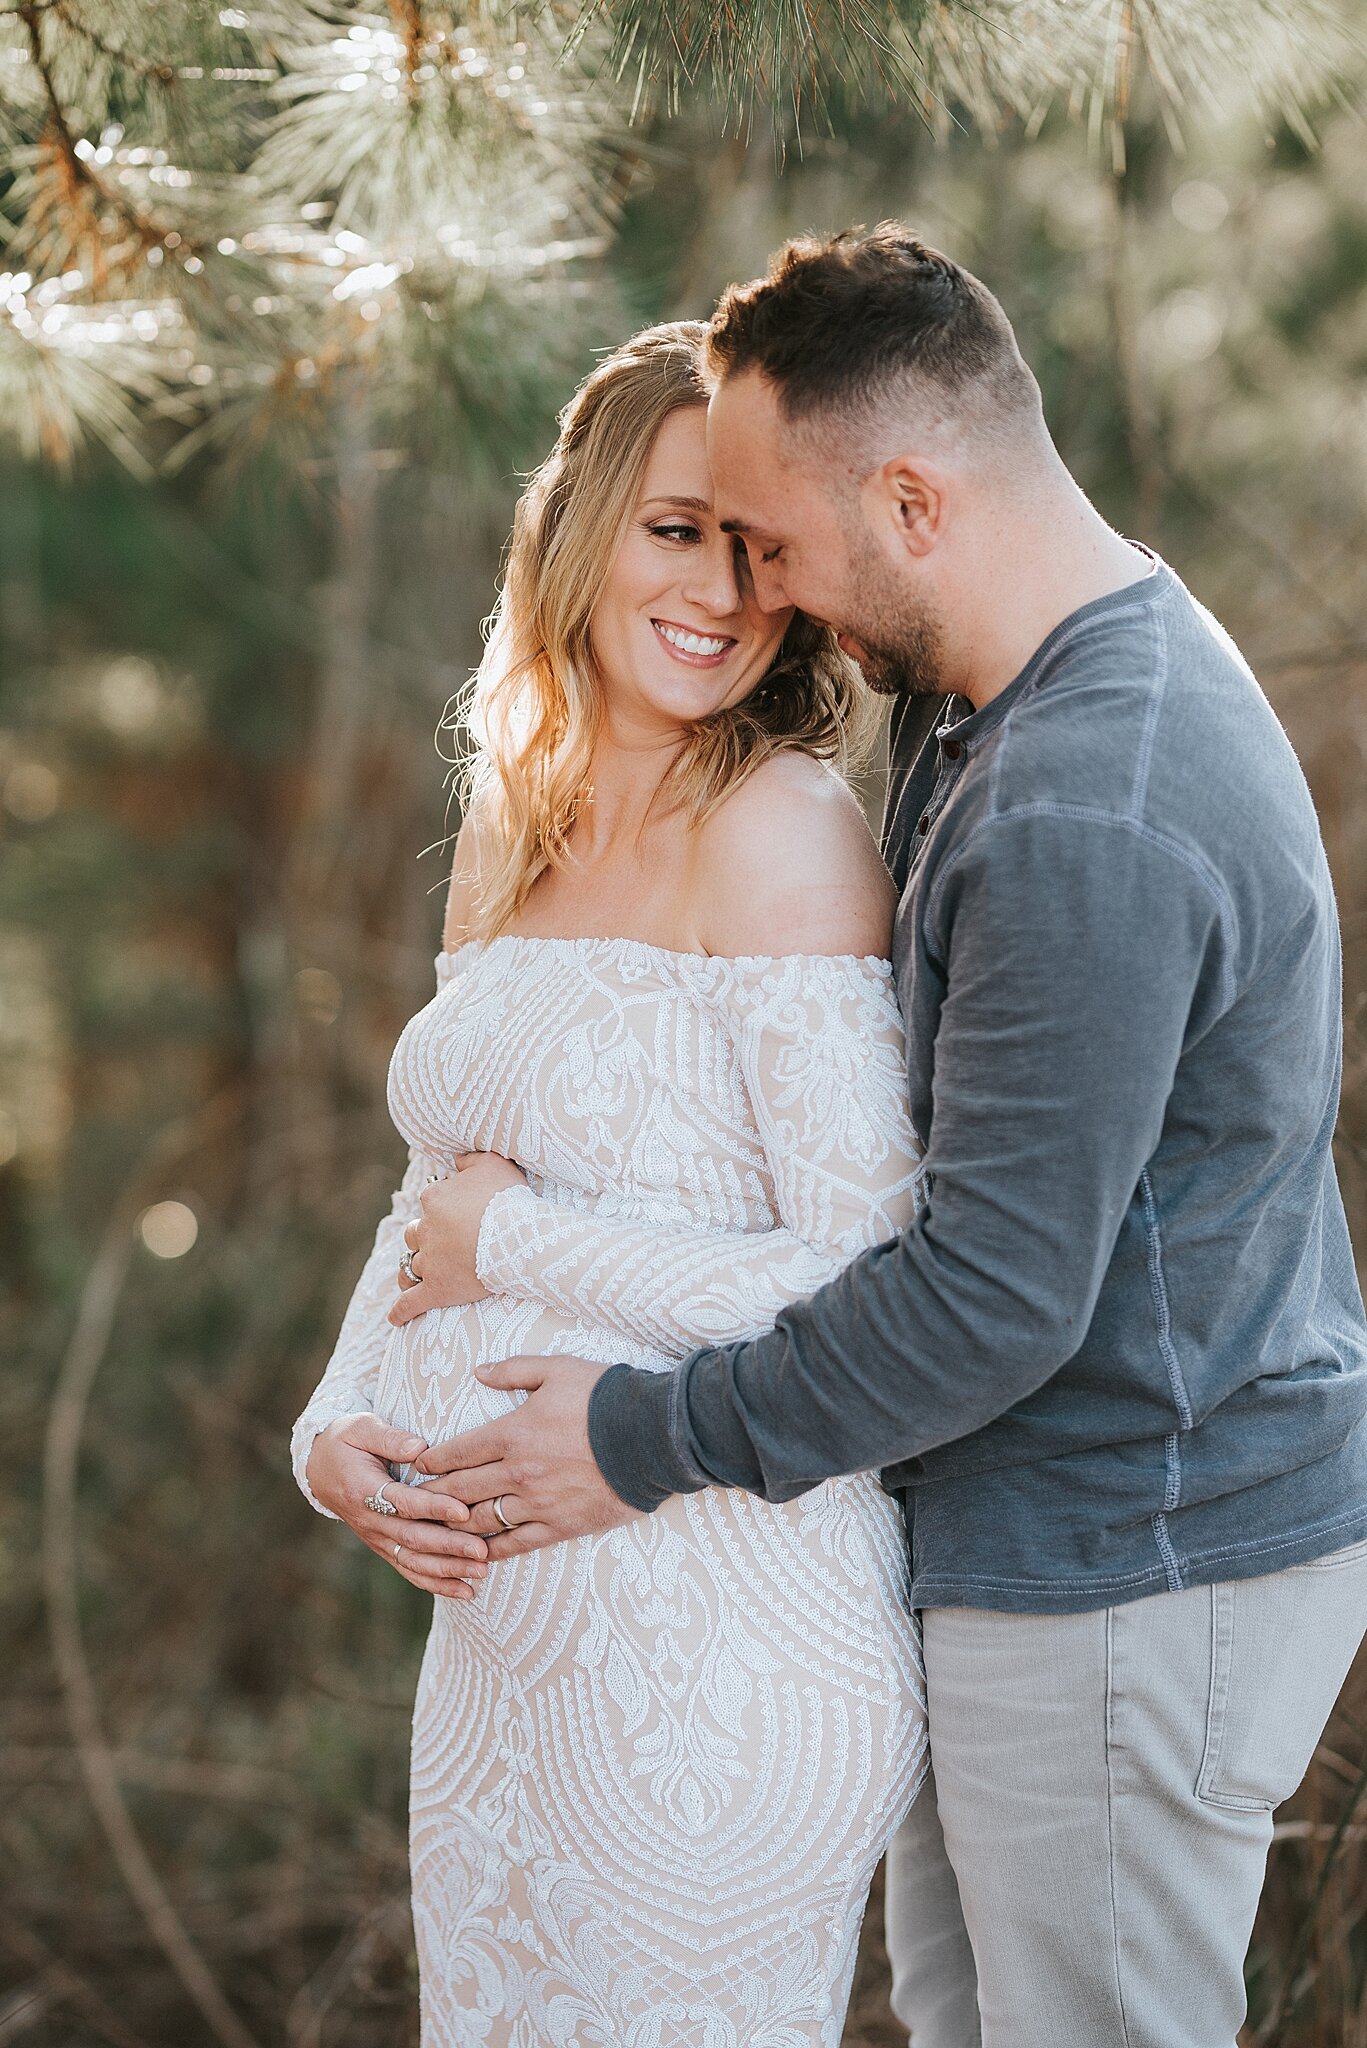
(675, 530)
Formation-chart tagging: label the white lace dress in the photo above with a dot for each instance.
(652, 1771)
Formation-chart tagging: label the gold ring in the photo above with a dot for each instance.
(398, 1552)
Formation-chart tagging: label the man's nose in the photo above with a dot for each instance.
(712, 582)
(770, 593)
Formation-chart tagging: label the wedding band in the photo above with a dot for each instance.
(378, 1502)
(499, 1516)
(398, 1552)
(406, 1268)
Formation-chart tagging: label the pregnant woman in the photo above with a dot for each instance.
(652, 1771)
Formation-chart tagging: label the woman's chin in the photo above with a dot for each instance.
(688, 698)
(697, 694)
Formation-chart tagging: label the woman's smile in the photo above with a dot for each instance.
(693, 647)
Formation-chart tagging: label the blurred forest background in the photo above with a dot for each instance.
(288, 297)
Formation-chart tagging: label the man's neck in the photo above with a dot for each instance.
(1070, 561)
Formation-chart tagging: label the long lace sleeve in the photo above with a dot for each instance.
(348, 1381)
(820, 1047)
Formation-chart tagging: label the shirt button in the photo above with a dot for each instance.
(953, 749)
(923, 824)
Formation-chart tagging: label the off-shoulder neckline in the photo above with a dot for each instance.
(642, 949)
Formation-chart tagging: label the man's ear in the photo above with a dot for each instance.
(908, 499)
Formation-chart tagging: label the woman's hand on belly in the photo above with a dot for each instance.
(424, 1539)
(443, 1241)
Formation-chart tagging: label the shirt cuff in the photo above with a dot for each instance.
(507, 1237)
(303, 1437)
(631, 1416)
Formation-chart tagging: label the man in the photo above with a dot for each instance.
(1117, 1369)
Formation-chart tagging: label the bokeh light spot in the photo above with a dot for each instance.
(32, 792)
(129, 695)
(1193, 325)
(168, 1229)
(318, 995)
(1200, 206)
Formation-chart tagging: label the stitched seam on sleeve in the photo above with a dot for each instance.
(1162, 1307)
(677, 1426)
(1087, 815)
(1144, 758)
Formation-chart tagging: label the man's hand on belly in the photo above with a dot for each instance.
(535, 1462)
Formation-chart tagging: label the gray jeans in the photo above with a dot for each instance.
(1083, 1868)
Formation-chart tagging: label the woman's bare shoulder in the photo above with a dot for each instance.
(787, 864)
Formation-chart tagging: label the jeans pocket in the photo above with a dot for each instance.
(1280, 1648)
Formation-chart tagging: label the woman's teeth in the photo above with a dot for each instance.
(691, 643)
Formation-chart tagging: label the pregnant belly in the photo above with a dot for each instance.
(689, 1664)
(810, 1594)
(427, 1382)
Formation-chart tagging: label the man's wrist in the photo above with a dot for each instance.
(631, 1417)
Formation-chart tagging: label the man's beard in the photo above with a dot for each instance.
(903, 644)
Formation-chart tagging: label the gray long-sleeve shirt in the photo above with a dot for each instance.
(1123, 1347)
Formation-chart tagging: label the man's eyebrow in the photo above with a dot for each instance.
(746, 531)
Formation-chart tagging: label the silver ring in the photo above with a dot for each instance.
(499, 1516)
(406, 1268)
(378, 1503)
(398, 1552)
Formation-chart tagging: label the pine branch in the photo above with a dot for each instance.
(1202, 58)
(442, 122)
(396, 189)
(71, 373)
(80, 177)
(988, 58)
(66, 202)
(141, 67)
(416, 192)
(789, 55)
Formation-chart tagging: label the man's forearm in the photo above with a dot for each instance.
(885, 1362)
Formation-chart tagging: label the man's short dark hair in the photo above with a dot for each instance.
(841, 318)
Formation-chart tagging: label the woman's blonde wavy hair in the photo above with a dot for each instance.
(534, 707)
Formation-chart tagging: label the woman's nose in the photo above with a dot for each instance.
(712, 579)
